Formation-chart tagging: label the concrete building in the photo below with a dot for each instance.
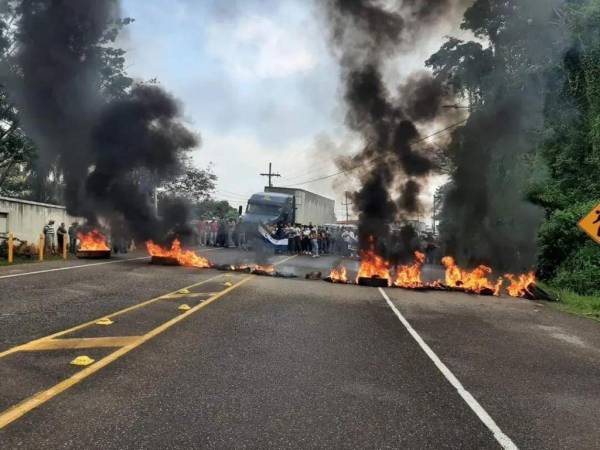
(310, 207)
(26, 219)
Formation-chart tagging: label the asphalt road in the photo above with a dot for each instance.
(259, 362)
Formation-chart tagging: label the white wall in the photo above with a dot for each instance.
(26, 219)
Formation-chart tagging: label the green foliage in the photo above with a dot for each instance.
(485, 217)
(583, 305)
(571, 151)
(580, 271)
(20, 175)
(195, 185)
(215, 209)
(559, 240)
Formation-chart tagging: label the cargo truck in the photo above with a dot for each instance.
(285, 206)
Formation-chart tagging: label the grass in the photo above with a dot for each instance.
(20, 260)
(581, 305)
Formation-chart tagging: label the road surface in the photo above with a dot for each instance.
(259, 362)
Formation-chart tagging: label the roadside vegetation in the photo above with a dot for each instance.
(525, 167)
(581, 305)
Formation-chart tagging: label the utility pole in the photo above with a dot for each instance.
(437, 200)
(270, 175)
(346, 205)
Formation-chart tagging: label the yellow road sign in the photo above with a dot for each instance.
(591, 224)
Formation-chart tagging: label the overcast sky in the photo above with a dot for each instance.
(257, 81)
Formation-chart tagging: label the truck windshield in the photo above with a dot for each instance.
(263, 210)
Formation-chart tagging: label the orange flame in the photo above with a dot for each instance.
(519, 285)
(339, 275)
(474, 281)
(184, 257)
(410, 276)
(93, 240)
(372, 265)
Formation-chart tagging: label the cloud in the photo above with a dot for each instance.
(253, 46)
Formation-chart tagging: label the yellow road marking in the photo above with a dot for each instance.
(77, 343)
(93, 322)
(42, 397)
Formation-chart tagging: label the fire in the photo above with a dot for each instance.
(339, 275)
(474, 281)
(183, 257)
(410, 276)
(93, 240)
(372, 265)
(519, 285)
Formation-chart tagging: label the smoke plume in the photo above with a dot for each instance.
(485, 217)
(110, 152)
(364, 35)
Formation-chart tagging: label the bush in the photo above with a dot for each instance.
(568, 258)
(581, 271)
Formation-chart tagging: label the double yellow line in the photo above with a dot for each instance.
(38, 399)
(24, 347)
(125, 344)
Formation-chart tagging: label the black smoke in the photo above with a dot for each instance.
(111, 152)
(365, 35)
(485, 216)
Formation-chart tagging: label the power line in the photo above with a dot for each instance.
(356, 167)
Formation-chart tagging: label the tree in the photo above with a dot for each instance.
(570, 187)
(20, 174)
(215, 209)
(195, 185)
(502, 77)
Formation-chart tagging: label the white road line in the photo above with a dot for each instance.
(86, 265)
(80, 266)
(502, 438)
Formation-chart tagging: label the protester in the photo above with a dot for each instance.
(305, 243)
(61, 233)
(222, 233)
(242, 239)
(49, 237)
(297, 239)
(314, 240)
(230, 231)
(73, 238)
(214, 230)
(203, 232)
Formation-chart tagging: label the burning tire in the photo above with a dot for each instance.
(93, 254)
(373, 282)
(164, 261)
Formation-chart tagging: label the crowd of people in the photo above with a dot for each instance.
(54, 237)
(221, 233)
(301, 239)
(315, 240)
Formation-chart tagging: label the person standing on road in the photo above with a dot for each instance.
(305, 240)
(49, 236)
(242, 240)
(202, 232)
(61, 234)
(314, 240)
(214, 230)
(73, 238)
(230, 231)
(297, 239)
